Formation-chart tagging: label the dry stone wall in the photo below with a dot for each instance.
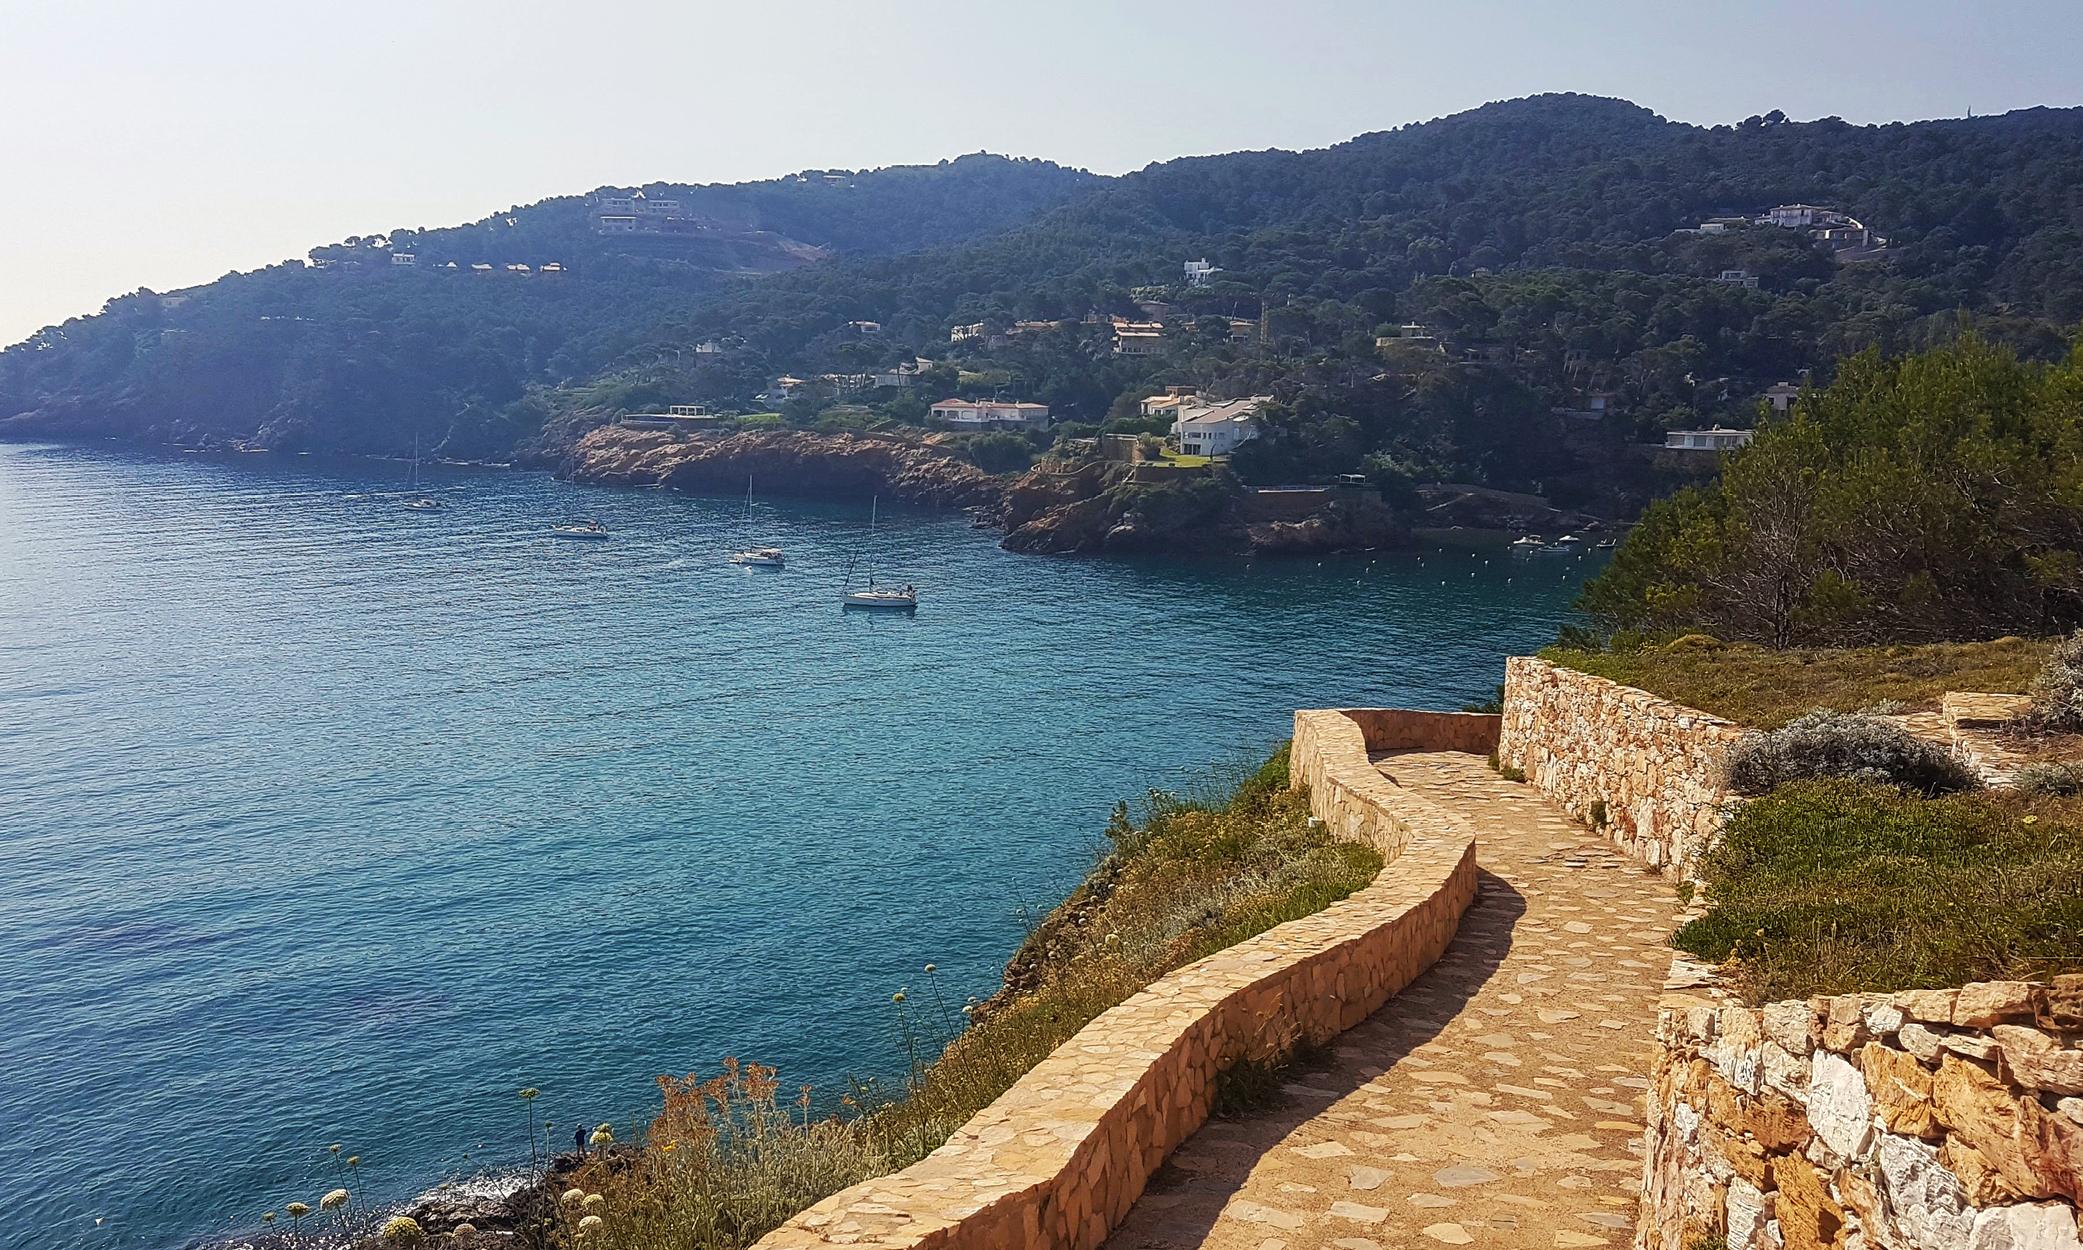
(1923, 1120)
(1643, 770)
(1056, 1162)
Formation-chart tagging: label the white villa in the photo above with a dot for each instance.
(972, 415)
(1217, 429)
(1716, 439)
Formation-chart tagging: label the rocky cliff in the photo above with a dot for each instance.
(788, 462)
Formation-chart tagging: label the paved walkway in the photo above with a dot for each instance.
(1496, 1102)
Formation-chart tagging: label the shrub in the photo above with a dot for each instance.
(2057, 692)
(2062, 781)
(1848, 745)
(1832, 887)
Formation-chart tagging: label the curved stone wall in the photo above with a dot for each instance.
(1655, 765)
(1056, 1162)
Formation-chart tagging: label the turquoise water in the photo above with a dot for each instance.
(322, 820)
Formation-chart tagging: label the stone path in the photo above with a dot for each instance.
(1496, 1102)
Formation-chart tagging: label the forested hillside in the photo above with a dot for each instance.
(1548, 246)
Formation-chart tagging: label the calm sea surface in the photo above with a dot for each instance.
(322, 820)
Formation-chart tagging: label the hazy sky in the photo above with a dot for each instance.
(165, 143)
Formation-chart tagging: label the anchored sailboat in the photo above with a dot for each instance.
(419, 502)
(757, 557)
(871, 596)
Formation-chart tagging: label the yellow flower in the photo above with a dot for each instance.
(403, 1230)
(930, 968)
(669, 1147)
(593, 1202)
(897, 997)
(530, 1091)
(570, 1196)
(463, 1233)
(2030, 820)
(298, 1210)
(602, 1136)
(267, 1217)
(333, 1199)
(354, 1161)
(590, 1224)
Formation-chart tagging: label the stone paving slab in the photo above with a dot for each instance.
(1497, 1101)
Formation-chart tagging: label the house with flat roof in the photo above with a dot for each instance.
(1217, 429)
(1137, 338)
(963, 334)
(1781, 395)
(991, 414)
(1718, 438)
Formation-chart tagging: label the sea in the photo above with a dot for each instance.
(325, 822)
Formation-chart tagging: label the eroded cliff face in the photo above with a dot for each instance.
(791, 462)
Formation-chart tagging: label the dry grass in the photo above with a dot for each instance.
(1830, 887)
(1764, 689)
(731, 1157)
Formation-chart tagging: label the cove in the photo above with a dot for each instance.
(322, 820)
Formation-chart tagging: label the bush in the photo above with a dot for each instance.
(1832, 887)
(1847, 745)
(2057, 692)
(2061, 781)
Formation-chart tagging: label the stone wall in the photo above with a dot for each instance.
(1056, 1162)
(1654, 766)
(1924, 1120)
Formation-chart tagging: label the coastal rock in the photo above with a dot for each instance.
(793, 462)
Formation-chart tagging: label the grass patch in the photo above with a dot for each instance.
(732, 1156)
(1764, 689)
(1830, 887)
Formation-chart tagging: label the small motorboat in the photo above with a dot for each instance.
(1607, 544)
(425, 503)
(1568, 540)
(1525, 541)
(760, 558)
(881, 599)
(591, 531)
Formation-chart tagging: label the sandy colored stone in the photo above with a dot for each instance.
(1777, 1123)
(1793, 1026)
(2037, 1061)
(1809, 1219)
(1929, 1006)
(1901, 1089)
(2061, 1005)
(1984, 1003)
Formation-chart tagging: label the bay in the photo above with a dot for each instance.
(323, 820)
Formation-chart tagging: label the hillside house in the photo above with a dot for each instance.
(1243, 330)
(963, 334)
(978, 415)
(1781, 395)
(780, 390)
(865, 327)
(1738, 277)
(707, 347)
(1412, 335)
(903, 375)
(1217, 429)
(1198, 272)
(1137, 338)
(1716, 439)
(404, 260)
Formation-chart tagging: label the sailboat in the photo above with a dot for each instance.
(873, 597)
(419, 502)
(757, 557)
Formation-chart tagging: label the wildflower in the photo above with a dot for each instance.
(669, 1147)
(931, 968)
(2029, 820)
(602, 1136)
(570, 1196)
(463, 1233)
(530, 1092)
(897, 997)
(593, 1202)
(403, 1230)
(333, 1149)
(968, 1009)
(267, 1217)
(354, 1161)
(590, 1224)
(333, 1200)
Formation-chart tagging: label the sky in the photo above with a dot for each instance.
(155, 144)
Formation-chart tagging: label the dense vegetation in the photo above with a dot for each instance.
(1934, 497)
(1827, 887)
(1536, 235)
(1763, 688)
(733, 1155)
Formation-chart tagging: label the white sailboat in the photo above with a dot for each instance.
(757, 557)
(587, 531)
(419, 502)
(872, 597)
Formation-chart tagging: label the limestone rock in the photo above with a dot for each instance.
(1748, 1209)
(2036, 1061)
(1809, 1219)
(1839, 1106)
(1923, 1200)
(1920, 1040)
(2061, 1006)
(1987, 1002)
(2041, 1226)
(1793, 1026)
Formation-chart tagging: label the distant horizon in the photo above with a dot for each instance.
(245, 134)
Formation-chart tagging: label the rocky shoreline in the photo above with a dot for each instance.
(1098, 508)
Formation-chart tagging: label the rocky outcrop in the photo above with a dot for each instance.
(792, 462)
(1922, 1120)
(1115, 508)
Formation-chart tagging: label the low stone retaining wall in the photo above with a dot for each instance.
(1654, 765)
(1056, 1162)
(1924, 1120)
